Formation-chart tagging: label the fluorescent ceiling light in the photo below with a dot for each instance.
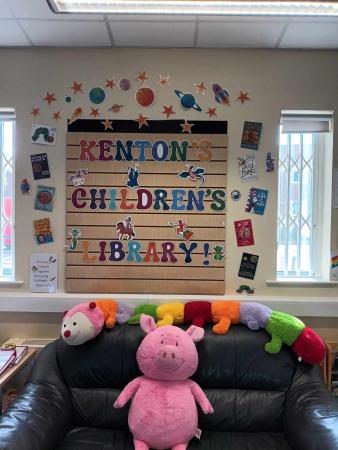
(206, 7)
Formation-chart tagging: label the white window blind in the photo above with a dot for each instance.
(7, 114)
(299, 122)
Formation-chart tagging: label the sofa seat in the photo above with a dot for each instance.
(88, 438)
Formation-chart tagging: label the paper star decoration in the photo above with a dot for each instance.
(200, 88)
(110, 84)
(168, 110)
(164, 81)
(142, 77)
(211, 112)
(77, 87)
(141, 121)
(50, 98)
(35, 111)
(186, 127)
(57, 115)
(107, 124)
(243, 97)
(94, 112)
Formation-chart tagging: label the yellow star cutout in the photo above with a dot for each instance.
(107, 124)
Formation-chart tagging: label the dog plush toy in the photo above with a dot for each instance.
(163, 412)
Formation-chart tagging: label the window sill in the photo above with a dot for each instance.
(296, 282)
(10, 283)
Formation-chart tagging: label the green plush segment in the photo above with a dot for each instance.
(282, 327)
(148, 309)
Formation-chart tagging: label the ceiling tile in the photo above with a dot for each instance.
(150, 17)
(69, 34)
(151, 34)
(38, 9)
(235, 35)
(11, 34)
(311, 35)
(5, 11)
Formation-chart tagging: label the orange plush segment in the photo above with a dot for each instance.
(109, 309)
(224, 313)
(170, 314)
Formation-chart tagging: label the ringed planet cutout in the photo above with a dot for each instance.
(116, 108)
(97, 95)
(187, 100)
(145, 97)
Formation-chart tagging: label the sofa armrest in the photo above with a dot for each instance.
(37, 419)
(311, 412)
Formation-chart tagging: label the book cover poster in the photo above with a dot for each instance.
(244, 233)
(43, 272)
(43, 134)
(248, 266)
(40, 166)
(247, 168)
(44, 198)
(256, 201)
(251, 135)
(42, 231)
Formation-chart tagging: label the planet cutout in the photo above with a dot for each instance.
(124, 84)
(145, 97)
(116, 108)
(68, 99)
(187, 100)
(97, 95)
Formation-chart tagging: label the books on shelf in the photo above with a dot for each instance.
(21, 351)
(7, 357)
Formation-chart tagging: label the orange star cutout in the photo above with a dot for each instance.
(141, 121)
(200, 88)
(35, 111)
(243, 97)
(56, 115)
(107, 124)
(142, 77)
(186, 127)
(168, 110)
(164, 81)
(77, 87)
(94, 112)
(50, 98)
(211, 112)
(110, 84)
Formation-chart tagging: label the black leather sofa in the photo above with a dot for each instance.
(261, 401)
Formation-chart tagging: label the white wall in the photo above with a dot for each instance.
(275, 80)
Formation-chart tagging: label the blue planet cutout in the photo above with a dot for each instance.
(187, 100)
(97, 95)
(68, 99)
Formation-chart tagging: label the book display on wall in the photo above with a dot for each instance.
(146, 206)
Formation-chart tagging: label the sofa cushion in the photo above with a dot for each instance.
(101, 439)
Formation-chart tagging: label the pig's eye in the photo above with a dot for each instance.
(161, 342)
(176, 344)
(74, 323)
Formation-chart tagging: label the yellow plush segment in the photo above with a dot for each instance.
(170, 314)
(109, 309)
(224, 313)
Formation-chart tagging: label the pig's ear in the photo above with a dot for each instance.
(147, 323)
(196, 333)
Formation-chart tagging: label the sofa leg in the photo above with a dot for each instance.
(140, 445)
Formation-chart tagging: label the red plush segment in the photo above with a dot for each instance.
(197, 313)
(310, 347)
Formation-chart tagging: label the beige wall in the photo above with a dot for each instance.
(275, 80)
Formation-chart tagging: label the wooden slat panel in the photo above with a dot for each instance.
(159, 219)
(198, 287)
(142, 272)
(211, 167)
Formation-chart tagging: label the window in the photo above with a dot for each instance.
(304, 195)
(7, 241)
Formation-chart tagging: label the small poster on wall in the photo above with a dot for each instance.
(43, 272)
(43, 134)
(256, 201)
(251, 135)
(248, 266)
(42, 231)
(40, 166)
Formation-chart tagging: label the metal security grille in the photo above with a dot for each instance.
(7, 238)
(297, 205)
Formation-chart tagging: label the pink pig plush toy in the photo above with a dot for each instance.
(163, 413)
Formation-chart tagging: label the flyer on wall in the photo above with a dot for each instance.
(43, 274)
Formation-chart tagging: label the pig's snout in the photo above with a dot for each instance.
(168, 358)
(67, 333)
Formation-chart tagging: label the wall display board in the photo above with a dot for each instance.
(146, 206)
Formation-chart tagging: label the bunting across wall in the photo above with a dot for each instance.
(146, 206)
